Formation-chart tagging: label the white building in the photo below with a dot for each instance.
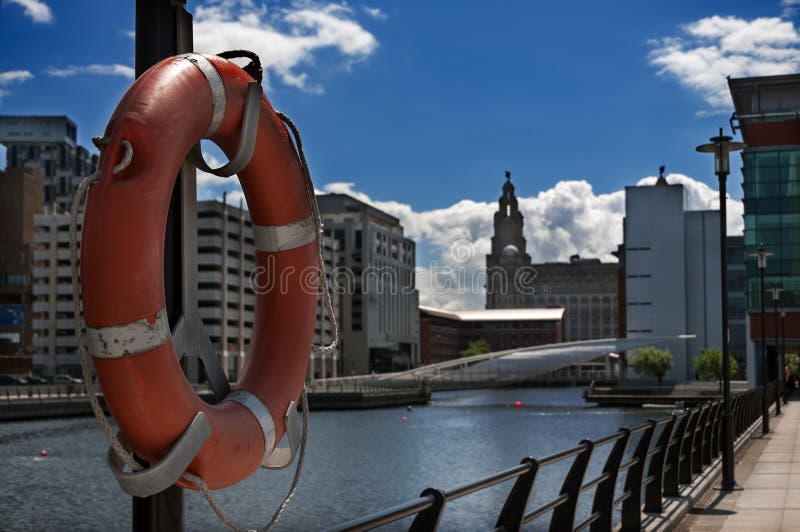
(225, 244)
(672, 273)
(379, 320)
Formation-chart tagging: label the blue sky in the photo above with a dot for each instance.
(419, 107)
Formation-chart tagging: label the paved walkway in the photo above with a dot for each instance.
(769, 471)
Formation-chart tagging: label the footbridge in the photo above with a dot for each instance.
(561, 363)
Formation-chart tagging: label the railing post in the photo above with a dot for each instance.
(698, 440)
(632, 506)
(513, 511)
(428, 520)
(654, 490)
(711, 437)
(564, 516)
(604, 493)
(672, 467)
(685, 465)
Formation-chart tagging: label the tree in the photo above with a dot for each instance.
(651, 361)
(476, 347)
(708, 365)
(793, 361)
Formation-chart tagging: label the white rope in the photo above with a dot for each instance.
(105, 425)
(312, 198)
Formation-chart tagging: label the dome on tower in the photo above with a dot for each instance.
(510, 251)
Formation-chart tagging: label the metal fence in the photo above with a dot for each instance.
(687, 444)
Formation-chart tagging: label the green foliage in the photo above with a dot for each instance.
(652, 362)
(476, 347)
(793, 361)
(708, 365)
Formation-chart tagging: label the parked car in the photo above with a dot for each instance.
(6, 380)
(66, 379)
(36, 379)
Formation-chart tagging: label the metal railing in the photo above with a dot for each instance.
(656, 467)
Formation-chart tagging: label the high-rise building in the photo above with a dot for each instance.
(379, 322)
(737, 307)
(20, 200)
(585, 287)
(226, 298)
(48, 143)
(767, 112)
(672, 270)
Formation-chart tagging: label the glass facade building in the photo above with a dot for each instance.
(772, 217)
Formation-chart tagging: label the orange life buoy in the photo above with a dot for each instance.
(166, 112)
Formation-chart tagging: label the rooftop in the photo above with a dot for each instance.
(500, 314)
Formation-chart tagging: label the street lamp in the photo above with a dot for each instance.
(721, 146)
(776, 295)
(783, 352)
(761, 254)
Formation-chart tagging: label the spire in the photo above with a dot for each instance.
(661, 179)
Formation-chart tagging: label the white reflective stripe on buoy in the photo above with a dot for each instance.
(217, 87)
(128, 339)
(260, 411)
(284, 237)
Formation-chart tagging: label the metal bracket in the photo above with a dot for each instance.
(165, 473)
(191, 339)
(241, 159)
(283, 456)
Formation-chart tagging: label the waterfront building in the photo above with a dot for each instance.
(20, 200)
(766, 113)
(585, 287)
(672, 269)
(379, 321)
(48, 143)
(226, 301)
(737, 307)
(445, 333)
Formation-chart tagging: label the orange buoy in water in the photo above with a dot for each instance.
(518, 404)
(43, 452)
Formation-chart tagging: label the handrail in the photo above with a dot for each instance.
(661, 461)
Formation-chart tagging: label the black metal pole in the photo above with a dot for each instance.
(163, 29)
(783, 354)
(779, 373)
(728, 477)
(764, 404)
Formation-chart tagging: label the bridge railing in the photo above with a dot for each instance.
(655, 467)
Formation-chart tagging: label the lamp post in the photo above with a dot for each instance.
(776, 295)
(721, 146)
(761, 254)
(783, 352)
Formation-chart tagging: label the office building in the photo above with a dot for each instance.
(379, 321)
(767, 113)
(48, 143)
(20, 200)
(585, 287)
(226, 300)
(672, 270)
(737, 307)
(444, 333)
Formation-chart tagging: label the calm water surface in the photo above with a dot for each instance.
(358, 462)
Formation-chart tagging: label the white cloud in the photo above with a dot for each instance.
(37, 10)
(94, 69)
(12, 76)
(210, 186)
(566, 219)
(375, 12)
(710, 49)
(790, 8)
(286, 39)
